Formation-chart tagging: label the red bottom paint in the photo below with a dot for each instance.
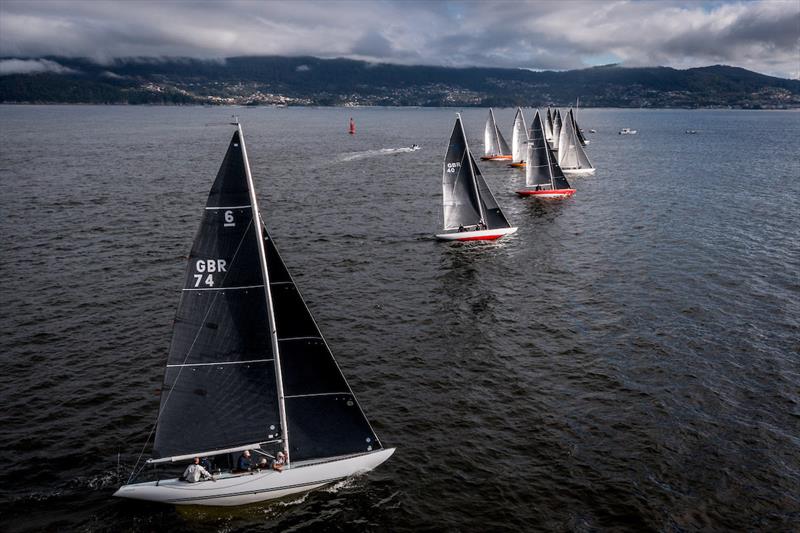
(495, 158)
(481, 238)
(557, 193)
(521, 164)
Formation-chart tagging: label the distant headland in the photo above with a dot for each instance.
(307, 81)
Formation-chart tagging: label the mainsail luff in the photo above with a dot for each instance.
(267, 292)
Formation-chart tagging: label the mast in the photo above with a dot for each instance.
(267, 293)
(472, 170)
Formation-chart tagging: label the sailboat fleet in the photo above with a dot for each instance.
(550, 151)
(248, 369)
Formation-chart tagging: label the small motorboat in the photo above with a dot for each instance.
(627, 131)
(691, 132)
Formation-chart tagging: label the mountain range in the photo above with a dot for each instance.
(273, 80)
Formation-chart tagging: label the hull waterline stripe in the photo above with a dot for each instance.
(223, 363)
(225, 288)
(233, 494)
(231, 207)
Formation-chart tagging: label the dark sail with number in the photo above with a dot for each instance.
(461, 202)
(219, 387)
(323, 415)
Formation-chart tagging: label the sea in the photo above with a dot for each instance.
(627, 361)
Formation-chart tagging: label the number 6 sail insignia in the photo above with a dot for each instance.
(248, 368)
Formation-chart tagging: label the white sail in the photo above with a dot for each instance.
(519, 137)
(571, 155)
(490, 145)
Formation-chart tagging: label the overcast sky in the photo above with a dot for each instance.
(761, 35)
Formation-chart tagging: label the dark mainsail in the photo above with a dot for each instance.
(323, 415)
(461, 202)
(537, 168)
(219, 386)
(542, 171)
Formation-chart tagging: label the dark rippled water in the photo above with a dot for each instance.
(627, 360)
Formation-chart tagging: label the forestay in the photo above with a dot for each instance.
(219, 387)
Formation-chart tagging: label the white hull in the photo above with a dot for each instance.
(482, 235)
(242, 489)
(578, 171)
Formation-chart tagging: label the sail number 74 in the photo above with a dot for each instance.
(207, 268)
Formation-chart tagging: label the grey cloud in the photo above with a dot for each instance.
(762, 34)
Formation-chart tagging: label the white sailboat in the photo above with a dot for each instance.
(471, 212)
(519, 140)
(571, 156)
(495, 147)
(543, 176)
(248, 368)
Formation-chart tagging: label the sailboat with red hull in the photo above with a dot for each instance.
(471, 212)
(543, 177)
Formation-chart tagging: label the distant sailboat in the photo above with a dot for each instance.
(557, 125)
(352, 130)
(578, 131)
(248, 368)
(543, 176)
(495, 147)
(548, 126)
(470, 211)
(571, 156)
(519, 140)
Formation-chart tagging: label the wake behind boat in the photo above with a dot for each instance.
(248, 368)
(471, 212)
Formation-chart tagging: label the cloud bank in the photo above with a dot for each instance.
(31, 66)
(760, 35)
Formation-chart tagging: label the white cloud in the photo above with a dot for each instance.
(31, 66)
